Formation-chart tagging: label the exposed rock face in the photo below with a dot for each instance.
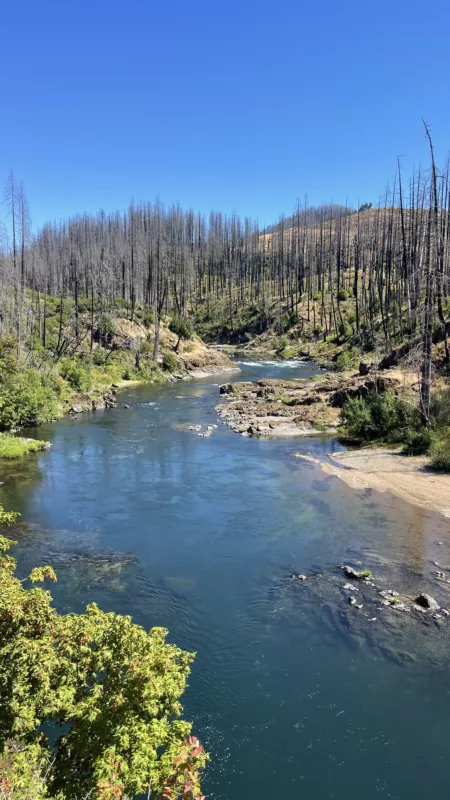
(273, 407)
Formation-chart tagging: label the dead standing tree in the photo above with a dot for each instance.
(430, 280)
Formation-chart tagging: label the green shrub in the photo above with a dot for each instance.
(26, 399)
(440, 407)
(349, 359)
(287, 321)
(383, 416)
(170, 362)
(148, 317)
(440, 450)
(7, 518)
(98, 358)
(357, 418)
(342, 295)
(345, 330)
(417, 442)
(75, 374)
(182, 327)
(146, 348)
(106, 328)
(281, 343)
(110, 688)
(8, 355)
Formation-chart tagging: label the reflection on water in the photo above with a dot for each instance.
(293, 693)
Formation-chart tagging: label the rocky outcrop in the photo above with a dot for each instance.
(199, 360)
(274, 408)
(84, 402)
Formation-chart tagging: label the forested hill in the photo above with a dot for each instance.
(391, 265)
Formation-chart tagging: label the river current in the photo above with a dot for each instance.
(200, 535)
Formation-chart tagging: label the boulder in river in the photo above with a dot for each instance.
(426, 601)
(354, 574)
(98, 403)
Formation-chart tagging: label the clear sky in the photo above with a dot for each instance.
(229, 105)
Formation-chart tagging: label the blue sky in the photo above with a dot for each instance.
(236, 105)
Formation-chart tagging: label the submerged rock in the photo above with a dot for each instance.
(389, 594)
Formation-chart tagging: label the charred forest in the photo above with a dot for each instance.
(375, 277)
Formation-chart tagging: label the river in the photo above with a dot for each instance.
(200, 535)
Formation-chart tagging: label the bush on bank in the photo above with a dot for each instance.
(396, 419)
(384, 416)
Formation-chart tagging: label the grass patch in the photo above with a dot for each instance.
(288, 401)
(16, 447)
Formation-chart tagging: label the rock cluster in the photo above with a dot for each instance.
(274, 407)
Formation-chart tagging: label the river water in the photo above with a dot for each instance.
(292, 693)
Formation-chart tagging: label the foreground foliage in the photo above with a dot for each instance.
(90, 702)
(7, 517)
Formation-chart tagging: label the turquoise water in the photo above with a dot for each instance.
(291, 692)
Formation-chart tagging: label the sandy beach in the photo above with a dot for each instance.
(387, 470)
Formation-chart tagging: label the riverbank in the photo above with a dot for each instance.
(74, 386)
(201, 364)
(388, 470)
